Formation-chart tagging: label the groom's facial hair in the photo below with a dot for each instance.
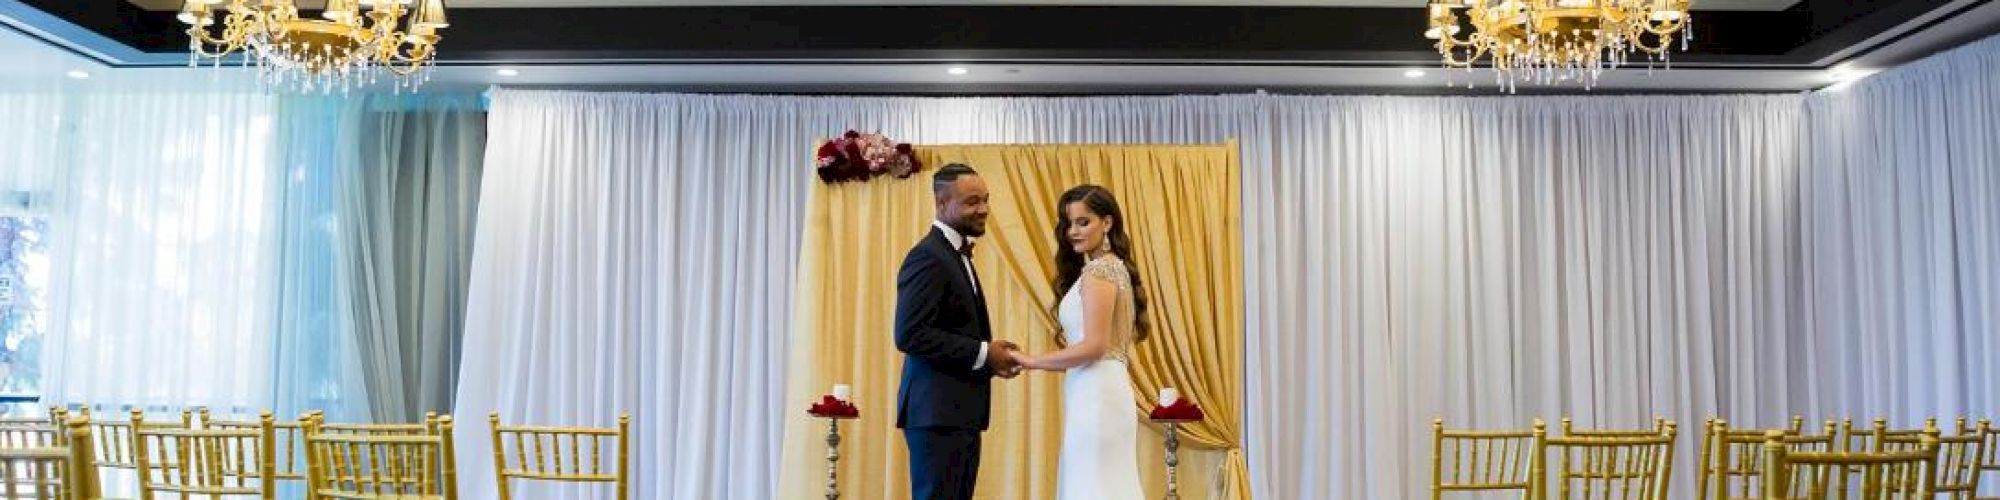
(966, 208)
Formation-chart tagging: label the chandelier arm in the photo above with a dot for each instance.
(1665, 44)
(233, 37)
(1664, 28)
(202, 42)
(1473, 53)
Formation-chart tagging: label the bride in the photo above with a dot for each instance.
(1102, 314)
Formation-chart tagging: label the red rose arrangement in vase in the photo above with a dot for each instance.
(835, 405)
(1174, 407)
(855, 156)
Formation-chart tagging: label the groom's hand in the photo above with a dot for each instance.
(1003, 357)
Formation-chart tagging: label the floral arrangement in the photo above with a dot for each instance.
(855, 156)
(832, 407)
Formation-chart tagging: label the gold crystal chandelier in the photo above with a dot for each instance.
(1550, 41)
(343, 49)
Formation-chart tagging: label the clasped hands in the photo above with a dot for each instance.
(1007, 359)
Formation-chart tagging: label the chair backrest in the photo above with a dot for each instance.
(25, 435)
(1855, 438)
(1480, 460)
(54, 417)
(1959, 459)
(288, 441)
(214, 462)
(428, 427)
(1659, 423)
(51, 472)
(1989, 451)
(115, 438)
(1885, 475)
(365, 466)
(1602, 468)
(552, 444)
(35, 432)
(1732, 463)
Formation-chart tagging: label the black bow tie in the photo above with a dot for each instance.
(966, 249)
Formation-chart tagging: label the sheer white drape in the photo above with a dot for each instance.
(163, 277)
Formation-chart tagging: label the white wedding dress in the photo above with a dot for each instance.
(1100, 428)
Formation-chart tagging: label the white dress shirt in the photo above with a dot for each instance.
(959, 241)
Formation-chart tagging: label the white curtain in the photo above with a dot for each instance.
(163, 275)
(1901, 239)
(1490, 261)
(28, 162)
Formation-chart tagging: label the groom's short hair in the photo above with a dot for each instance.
(941, 181)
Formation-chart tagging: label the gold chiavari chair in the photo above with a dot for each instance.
(212, 462)
(1989, 449)
(549, 442)
(288, 441)
(1659, 424)
(1826, 475)
(382, 467)
(1959, 459)
(1602, 468)
(1732, 465)
(1858, 439)
(51, 472)
(1480, 460)
(115, 440)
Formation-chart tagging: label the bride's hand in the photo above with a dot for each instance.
(1033, 362)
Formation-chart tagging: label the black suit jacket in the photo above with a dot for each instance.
(940, 322)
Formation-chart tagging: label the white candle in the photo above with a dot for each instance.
(1168, 396)
(842, 391)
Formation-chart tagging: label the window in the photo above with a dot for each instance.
(24, 279)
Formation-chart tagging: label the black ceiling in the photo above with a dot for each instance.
(1801, 36)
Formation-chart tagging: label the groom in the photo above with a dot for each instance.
(949, 355)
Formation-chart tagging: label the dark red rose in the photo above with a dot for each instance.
(830, 407)
(1182, 409)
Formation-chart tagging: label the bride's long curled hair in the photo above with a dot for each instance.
(1069, 263)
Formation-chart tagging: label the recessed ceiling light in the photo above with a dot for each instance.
(507, 72)
(1414, 73)
(79, 74)
(957, 70)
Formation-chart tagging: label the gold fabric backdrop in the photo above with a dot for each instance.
(1183, 210)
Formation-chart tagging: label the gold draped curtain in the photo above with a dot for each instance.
(1183, 210)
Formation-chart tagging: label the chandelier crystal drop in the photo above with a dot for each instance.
(1555, 41)
(353, 43)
